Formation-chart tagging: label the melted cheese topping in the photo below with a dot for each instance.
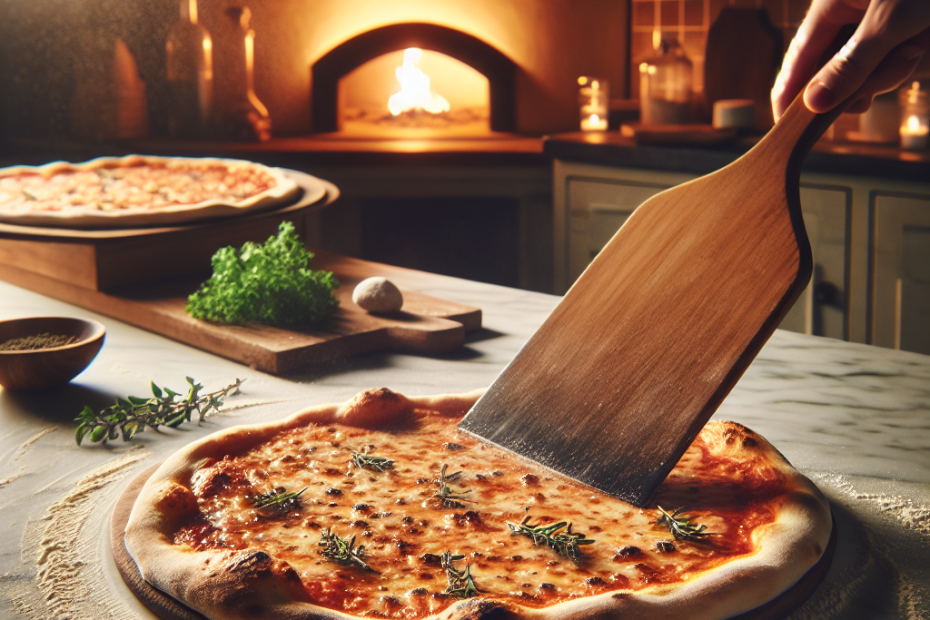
(138, 186)
(403, 526)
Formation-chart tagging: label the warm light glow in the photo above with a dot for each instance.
(415, 92)
(594, 123)
(913, 125)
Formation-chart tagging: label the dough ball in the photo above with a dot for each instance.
(378, 295)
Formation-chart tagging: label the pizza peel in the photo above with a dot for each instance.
(651, 338)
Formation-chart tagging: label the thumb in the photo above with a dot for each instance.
(843, 74)
(886, 27)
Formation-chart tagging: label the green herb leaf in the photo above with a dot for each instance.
(363, 460)
(278, 500)
(565, 543)
(269, 283)
(132, 414)
(461, 584)
(681, 526)
(450, 497)
(342, 551)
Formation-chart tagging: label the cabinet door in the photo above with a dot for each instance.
(822, 309)
(900, 300)
(597, 209)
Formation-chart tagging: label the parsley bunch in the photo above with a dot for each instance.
(268, 283)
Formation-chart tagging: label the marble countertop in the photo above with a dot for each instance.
(854, 418)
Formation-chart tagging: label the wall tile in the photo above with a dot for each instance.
(694, 13)
(644, 13)
(692, 31)
(669, 10)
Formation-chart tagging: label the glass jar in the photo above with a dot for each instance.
(190, 75)
(665, 86)
(243, 116)
(915, 118)
(593, 99)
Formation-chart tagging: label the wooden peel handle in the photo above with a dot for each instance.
(796, 132)
(798, 129)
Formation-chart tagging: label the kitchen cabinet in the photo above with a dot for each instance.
(870, 240)
(900, 302)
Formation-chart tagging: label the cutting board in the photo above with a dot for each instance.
(741, 60)
(424, 325)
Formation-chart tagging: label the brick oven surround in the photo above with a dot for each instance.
(499, 70)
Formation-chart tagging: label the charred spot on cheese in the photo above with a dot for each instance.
(404, 528)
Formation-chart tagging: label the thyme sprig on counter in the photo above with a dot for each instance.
(342, 551)
(166, 407)
(450, 497)
(278, 500)
(681, 526)
(565, 543)
(363, 460)
(461, 584)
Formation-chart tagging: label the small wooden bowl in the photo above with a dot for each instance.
(44, 368)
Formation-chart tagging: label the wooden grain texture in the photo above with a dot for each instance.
(37, 369)
(424, 325)
(654, 334)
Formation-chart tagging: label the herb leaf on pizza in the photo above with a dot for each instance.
(492, 536)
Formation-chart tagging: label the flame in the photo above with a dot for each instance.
(415, 91)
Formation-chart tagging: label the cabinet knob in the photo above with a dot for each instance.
(828, 294)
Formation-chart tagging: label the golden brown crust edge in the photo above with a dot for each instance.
(285, 190)
(233, 585)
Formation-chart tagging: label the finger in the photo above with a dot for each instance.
(878, 35)
(816, 34)
(894, 69)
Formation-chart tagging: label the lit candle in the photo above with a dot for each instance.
(593, 122)
(915, 117)
(593, 99)
(915, 133)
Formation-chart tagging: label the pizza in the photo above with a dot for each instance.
(138, 191)
(379, 507)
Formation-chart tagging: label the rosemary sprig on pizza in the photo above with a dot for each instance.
(131, 415)
(461, 583)
(342, 551)
(278, 500)
(445, 533)
(557, 536)
(364, 460)
(680, 525)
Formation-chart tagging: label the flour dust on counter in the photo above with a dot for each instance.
(62, 548)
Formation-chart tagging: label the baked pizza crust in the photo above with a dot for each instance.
(245, 584)
(285, 190)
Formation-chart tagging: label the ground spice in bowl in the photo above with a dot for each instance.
(44, 340)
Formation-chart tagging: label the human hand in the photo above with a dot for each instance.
(887, 46)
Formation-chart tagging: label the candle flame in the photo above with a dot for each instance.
(415, 92)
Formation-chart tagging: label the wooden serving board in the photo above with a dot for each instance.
(106, 259)
(424, 324)
(167, 608)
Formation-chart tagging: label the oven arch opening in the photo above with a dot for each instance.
(327, 71)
